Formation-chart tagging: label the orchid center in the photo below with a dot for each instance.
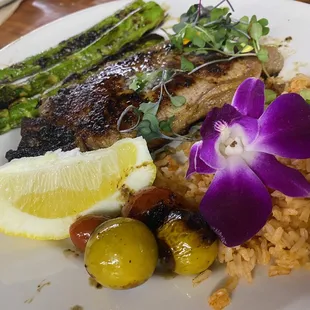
(230, 140)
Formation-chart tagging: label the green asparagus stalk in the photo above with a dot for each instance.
(28, 107)
(5, 121)
(130, 49)
(129, 30)
(11, 118)
(52, 56)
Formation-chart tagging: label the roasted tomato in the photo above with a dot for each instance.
(121, 253)
(187, 245)
(81, 230)
(152, 205)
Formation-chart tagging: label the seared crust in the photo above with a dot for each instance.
(40, 136)
(90, 111)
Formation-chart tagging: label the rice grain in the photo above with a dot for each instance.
(283, 243)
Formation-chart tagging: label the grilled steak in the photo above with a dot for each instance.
(86, 115)
(40, 135)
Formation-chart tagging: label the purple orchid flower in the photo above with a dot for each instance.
(239, 144)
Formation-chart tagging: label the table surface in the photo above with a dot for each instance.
(34, 13)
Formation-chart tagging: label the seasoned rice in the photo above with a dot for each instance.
(283, 243)
(201, 277)
(222, 297)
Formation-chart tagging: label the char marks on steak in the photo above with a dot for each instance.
(86, 115)
(40, 136)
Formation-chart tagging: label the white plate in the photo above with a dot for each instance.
(5, 2)
(25, 263)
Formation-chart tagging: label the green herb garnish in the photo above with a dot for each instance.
(150, 127)
(166, 125)
(201, 30)
(186, 65)
(178, 101)
(149, 108)
(212, 29)
(305, 93)
(270, 95)
(143, 79)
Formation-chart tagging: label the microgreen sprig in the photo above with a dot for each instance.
(201, 30)
(150, 127)
(148, 124)
(270, 96)
(124, 113)
(216, 31)
(305, 93)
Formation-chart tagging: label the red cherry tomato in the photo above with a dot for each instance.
(81, 230)
(148, 198)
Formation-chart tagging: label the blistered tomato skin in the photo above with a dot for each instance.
(187, 245)
(151, 206)
(148, 198)
(121, 254)
(81, 230)
(190, 251)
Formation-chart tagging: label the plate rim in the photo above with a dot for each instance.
(117, 5)
(112, 3)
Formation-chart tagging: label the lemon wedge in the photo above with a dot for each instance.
(40, 197)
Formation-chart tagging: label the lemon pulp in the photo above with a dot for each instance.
(77, 197)
(58, 188)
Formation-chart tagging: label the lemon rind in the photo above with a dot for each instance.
(17, 223)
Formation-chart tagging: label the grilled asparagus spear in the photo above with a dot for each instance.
(11, 118)
(129, 30)
(28, 107)
(46, 59)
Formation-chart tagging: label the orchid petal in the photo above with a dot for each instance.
(236, 125)
(249, 98)
(227, 114)
(210, 131)
(247, 128)
(279, 177)
(210, 153)
(237, 204)
(285, 128)
(195, 163)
